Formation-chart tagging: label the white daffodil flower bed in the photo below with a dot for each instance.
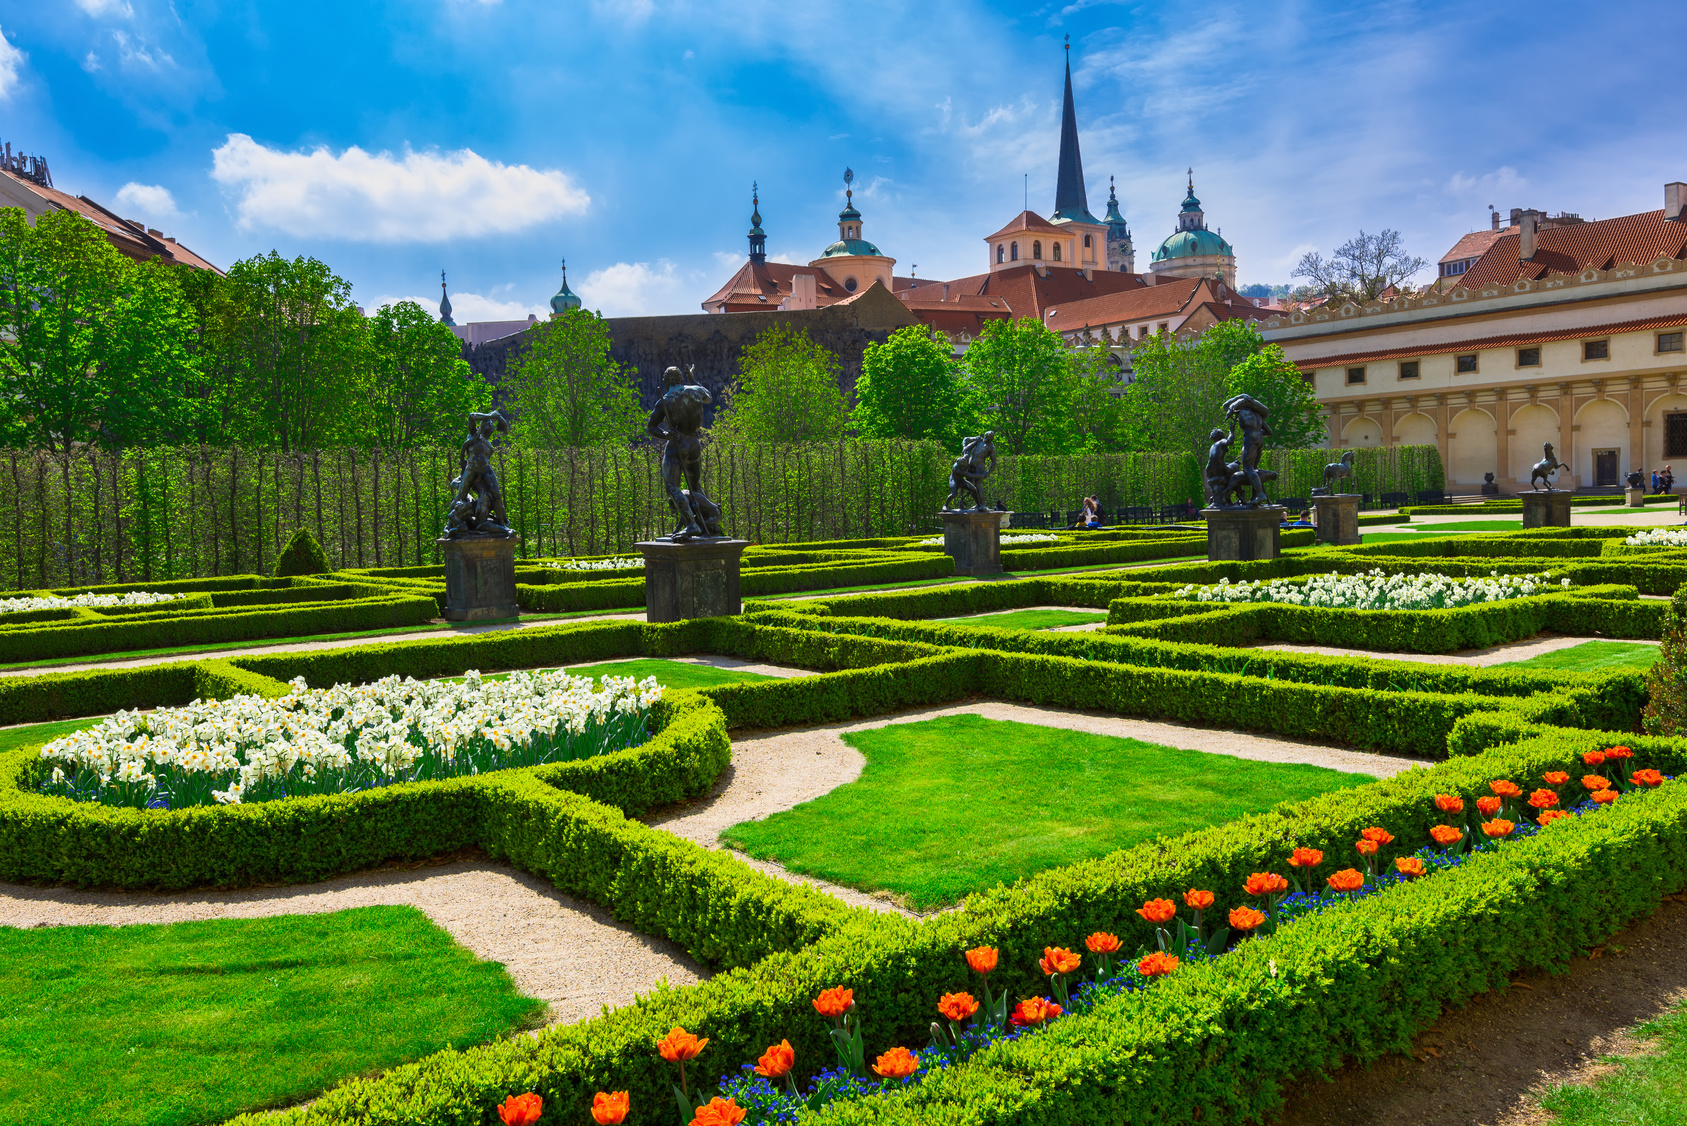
(616, 564)
(346, 738)
(90, 601)
(1006, 541)
(1374, 590)
(1659, 537)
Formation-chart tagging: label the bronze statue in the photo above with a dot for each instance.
(1225, 479)
(1336, 470)
(977, 461)
(477, 502)
(1545, 468)
(677, 419)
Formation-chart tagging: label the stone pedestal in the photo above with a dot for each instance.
(973, 539)
(695, 579)
(480, 578)
(1338, 518)
(1546, 509)
(1636, 498)
(1235, 534)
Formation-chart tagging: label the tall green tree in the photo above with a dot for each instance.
(148, 362)
(1098, 412)
(568, 389)
(911, 387)
(424, 390)
(1297, 421)
(787, 391)
(1179, 386)
(1022, 376)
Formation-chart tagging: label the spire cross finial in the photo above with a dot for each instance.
(1068, 43)
(1192, 181)
(442, 279)
(565, 270)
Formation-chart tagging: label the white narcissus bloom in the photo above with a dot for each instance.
(1372, 590)
(1659, 537)
(87, 601)
(616, 564)
(1005, 541)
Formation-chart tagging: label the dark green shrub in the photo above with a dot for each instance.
(302, 555)
(1666, 684)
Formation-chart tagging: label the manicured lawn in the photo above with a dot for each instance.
(1472, 526)
(670, 674)
(1648, 1090)
(41, 732)
(194, 1022)
(1030, 619)
(958, 804)
(1595, 656)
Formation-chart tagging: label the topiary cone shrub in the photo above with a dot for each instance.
(1666, 685)
(302, 556)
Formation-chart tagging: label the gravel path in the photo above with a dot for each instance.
(557, 948)
(1497, 655)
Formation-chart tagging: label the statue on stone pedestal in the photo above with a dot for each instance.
(1545, 468)
(477, 502)
(1225, 479)
(977, 461)
(677, 419)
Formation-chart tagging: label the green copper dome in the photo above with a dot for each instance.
(850, 246)
(1192, 244)
(565, 298)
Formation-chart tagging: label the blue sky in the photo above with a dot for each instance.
(493, 137)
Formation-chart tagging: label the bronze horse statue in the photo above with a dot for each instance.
(1544, 469)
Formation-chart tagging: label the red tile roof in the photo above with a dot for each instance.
(763, 285)
(1471, 246)
(1162, 300)
(1570, 249)
(1025, 221)
(132, 239)
(1473, 344)
(1031, 294)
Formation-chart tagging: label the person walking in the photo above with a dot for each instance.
(1655, 477)
(1667, 480)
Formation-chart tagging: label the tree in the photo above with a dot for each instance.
(302, 555)
(1297, 421)
(1179, 386)
(1098, 415)
(910, 387)
(1361, 268)
(424, 390)
(567, 389)
(786, 391)
(1021, 374)
(146, 358)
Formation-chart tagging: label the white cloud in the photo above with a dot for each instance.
(135, 52)
(631, 289)
(11, 63)
(379, 197)
(99, 9)
(1502, 181)
(469, 307)
(730, 259)
(149, 199)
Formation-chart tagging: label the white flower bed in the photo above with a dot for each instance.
(91, 601)
(1374, 590)
(1659, 537)
(334, 740)
(615, 564)
(1006, 541)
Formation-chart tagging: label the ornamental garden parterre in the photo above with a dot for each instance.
(1195, 975)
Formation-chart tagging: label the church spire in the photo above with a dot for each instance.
(1070, 202)
(444, 303)
(758, 237)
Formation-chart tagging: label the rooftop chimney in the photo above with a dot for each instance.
(945, 291)
(1527, 223)
(155, 232)
(1495, 216)
(1675, 200)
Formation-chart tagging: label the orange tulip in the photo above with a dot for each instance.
(1034, 1010)
(679, 1045)
(777, 1061)
(957, 1006)
(1058, 960)
(1445, 834)
(1555, 778)
(1305, 858)
(1505, 789)
(1102, 943)
(1366, 848)
(834, 1002)
(1487, 807)
(1543, 799)
(1595, 782)
(898, 1063)
(1246, 918)
(1593, 758)
(1380, 836)
(718, 1112)
(1265, 883)
(1157, 911)
(1200, 900)
(1410, 865)
(609, 1108)
(1499, 827)
(1550, 815)
(1647, 778)
(1604, 797)
(1618, 753)
(1157, 965)
(521, 1110)
(982, 959)
(1447, 803)
(1346, 880)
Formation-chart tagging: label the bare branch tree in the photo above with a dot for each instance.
(1361, 268)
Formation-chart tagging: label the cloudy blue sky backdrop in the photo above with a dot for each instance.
(493, 137)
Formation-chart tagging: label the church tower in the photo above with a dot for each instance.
(1121, 255)
(564, 300)
(852, 260)
(1194, 251)
(445, 304)
(1084, 250)
(758, 237)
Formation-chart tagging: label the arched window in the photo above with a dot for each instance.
(851, 284)
(1057, 252)
(1013, 250)
(1086, 242)
(1037, 250)
(1001, 253)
